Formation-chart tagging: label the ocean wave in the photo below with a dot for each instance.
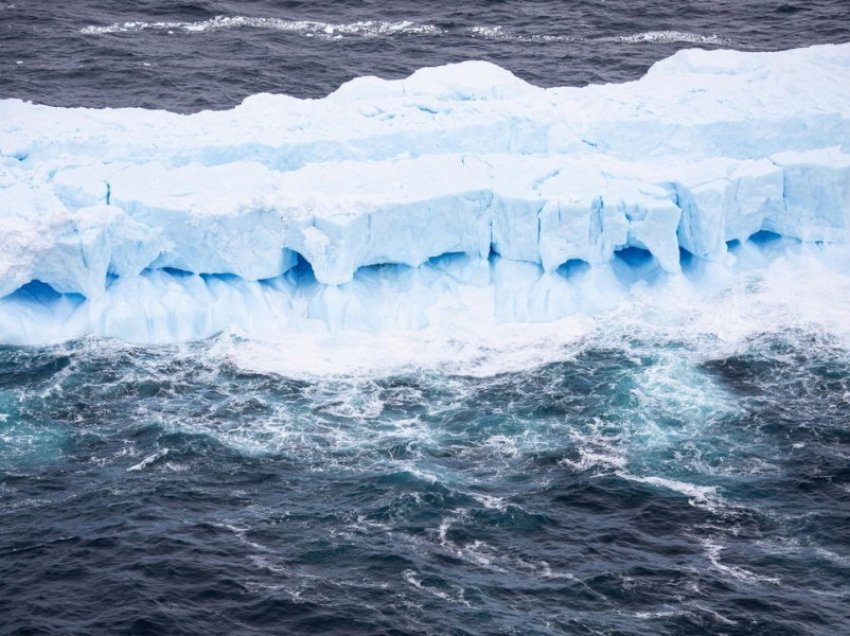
(309, 28)
(502, 33)
(651, 37)
(385, 28)
(666, 37)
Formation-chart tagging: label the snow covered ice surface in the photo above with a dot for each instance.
(458, 200)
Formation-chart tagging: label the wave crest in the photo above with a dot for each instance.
(667, 37)
(309, 28)
(385, 28)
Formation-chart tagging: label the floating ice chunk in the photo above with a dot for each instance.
(460, 188)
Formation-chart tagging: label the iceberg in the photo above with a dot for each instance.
(461, 187)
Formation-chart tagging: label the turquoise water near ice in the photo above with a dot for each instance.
(639, 486)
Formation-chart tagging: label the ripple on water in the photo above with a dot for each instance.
(633, 478)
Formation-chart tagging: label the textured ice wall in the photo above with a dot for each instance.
(149, 225)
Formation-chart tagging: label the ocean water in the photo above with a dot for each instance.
(196, 54)
(632, 487)
(676, 465)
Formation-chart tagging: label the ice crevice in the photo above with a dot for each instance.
(460, 185)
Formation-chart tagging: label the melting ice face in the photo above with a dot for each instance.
(457, 204)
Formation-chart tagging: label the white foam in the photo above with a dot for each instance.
(697, 494)
(147, 461)
(713, 551)
(475, 348)
(807, 289)
(364, 28)
(410, 577)
(498, 32)
(667, 37)
(381, 28)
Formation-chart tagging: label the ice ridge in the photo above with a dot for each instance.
(366, 208)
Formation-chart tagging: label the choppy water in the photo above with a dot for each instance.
(197, 54)
(635, 487)
(637, 482)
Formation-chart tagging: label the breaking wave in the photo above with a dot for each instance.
(668, 37)
(309, 28)
(385, 28)
(650, 37)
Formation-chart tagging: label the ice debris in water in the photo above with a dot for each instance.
(459, 188)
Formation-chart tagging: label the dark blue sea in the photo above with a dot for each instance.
(637, 484)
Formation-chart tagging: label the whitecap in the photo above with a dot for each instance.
(666, 37)
(498, 32)
(713, 551)
(310, 28)
(694, 492)
(147, 461)
(411, 578)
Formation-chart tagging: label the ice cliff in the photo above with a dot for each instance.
(370, 207)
